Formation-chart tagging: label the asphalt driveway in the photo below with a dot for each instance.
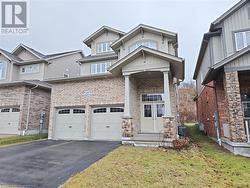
(49, 163)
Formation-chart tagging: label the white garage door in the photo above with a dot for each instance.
(9, 120)
(107, 123)
(70, 124)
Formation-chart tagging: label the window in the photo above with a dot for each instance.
(147, 110)
(3, 70)
(152, 97)
(30, 69)
(160, 110)
(78, 111)
(116, 110)
(147, 43)
(103, 47)
(5, 110)
(100, 110)
(65, 111)
(242, 40)
(15, 109)
(100, 68)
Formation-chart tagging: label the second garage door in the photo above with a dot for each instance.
(9, 120)
(107, 123)
(70, 124)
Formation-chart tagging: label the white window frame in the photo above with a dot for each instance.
(103, 47)
(100, 68)
(245, 44)
(4, 70)
(29, 69)
(147, 43)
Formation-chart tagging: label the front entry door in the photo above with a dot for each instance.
(151, 121)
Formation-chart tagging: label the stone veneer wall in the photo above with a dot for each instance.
(17, 96)
(233, 98)
(85, 93)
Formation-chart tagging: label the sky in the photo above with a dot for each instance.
(62, 25)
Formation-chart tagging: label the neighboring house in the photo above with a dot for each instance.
(126, 91)
(24, 96)
(222, 75)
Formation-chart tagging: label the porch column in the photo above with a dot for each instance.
(167, 101)
(168, 120)
(234, 107)
(127, 125)
(127, 112)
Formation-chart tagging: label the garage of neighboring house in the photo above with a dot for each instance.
(70, 124)
(106, 123)
(9, 120)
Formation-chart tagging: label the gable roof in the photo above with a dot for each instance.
(57, 55)
(204, 43)
(142, 27)
(175, 62)
(99, 32)
(21, 46)
(9, 55)
(229, 13)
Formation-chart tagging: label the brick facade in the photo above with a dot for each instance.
(18, 96)
(223, 96)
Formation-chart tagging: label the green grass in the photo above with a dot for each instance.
(21, 139)
(203, 164)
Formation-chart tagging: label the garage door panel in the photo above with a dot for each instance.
(9, 120)
(70, 124)
(106, 126)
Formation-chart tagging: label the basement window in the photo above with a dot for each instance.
(15, 109)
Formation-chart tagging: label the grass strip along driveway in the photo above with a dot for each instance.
(21, 139)
(203, 164)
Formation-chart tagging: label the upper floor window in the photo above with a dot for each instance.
(103, 47)
(30, 69)
(242, 40)
(146, 43)
(3, 70)
(98, 68)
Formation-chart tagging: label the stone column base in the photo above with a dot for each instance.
(169, 126)
(127, 127)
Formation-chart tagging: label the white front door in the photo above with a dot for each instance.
(152, 112)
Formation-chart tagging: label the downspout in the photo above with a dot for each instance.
(28, 110)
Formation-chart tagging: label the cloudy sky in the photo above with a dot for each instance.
(61, 25)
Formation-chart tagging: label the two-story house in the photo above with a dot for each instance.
(222, 76)
(24, 96)
(126, 91)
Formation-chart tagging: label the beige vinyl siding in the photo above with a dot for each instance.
(217, 49)
(105, 37)
(8, 71)
(26, 55)
(162, 45)
(241, 63)
(206, 63)
(32, 76)
(237, 21)
(86, 67)
(57, 67)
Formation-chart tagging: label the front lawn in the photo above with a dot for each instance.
(21, 139)
(204, 164)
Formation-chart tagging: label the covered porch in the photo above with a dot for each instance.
(150, 106)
